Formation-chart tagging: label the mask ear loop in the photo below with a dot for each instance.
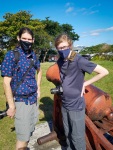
(72, 56)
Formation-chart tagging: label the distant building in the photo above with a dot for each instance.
(53, 58)
(78, 48)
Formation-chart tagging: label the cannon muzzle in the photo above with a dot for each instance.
(49, 137)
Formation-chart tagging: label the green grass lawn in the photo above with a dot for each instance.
(7, 135)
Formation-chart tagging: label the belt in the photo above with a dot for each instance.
(25, 96)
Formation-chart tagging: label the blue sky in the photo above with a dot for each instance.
(91, 20)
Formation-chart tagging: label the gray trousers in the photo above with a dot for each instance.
(74, 127)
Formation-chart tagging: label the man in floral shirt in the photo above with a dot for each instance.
(22, 102)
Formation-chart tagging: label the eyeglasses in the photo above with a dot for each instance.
(62, 48)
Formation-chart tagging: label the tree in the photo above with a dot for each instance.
(100, 52)
(67, 28)
(12, 24)
(45, 31)
(53, 28)
(2, 53)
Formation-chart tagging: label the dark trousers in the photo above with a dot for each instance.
(74, 126)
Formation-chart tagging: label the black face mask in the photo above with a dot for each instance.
(26, 46)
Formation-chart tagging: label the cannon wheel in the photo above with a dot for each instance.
(95, 139)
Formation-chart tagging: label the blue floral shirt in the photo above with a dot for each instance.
(27, 91)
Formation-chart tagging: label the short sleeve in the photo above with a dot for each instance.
(38, 64)
(86, 65)
(7, 66)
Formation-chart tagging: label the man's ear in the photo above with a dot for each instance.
(33, 40)
(18, 38)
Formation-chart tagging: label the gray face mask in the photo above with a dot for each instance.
(26, 46)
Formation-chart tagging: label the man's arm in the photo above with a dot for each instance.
(39, 71)
(101, 72)
(9, 96)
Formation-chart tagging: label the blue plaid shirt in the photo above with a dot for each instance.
(27, 91)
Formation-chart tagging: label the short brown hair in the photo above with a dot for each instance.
(61, 38)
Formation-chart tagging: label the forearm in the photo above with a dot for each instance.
(94, 79)
(39, 81)
(39, 78)
(101, 72)
(8, 92)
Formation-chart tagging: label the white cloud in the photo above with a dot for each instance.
(95, 6)
(84, 11)
(94, 34)
(81, 9)
(102, 30)
(109, 29)
(70, 9)
(93, 12)
(89, 11)
(97, 31)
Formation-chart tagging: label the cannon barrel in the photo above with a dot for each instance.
(98, 102)
(49, 137)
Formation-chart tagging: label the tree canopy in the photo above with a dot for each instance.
(45, 30)
(99, 49)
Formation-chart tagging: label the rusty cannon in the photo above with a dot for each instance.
(98, 121)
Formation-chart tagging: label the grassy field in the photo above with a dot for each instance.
(7, 134)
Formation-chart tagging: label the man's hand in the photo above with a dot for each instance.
(11, 112)
(38, 92)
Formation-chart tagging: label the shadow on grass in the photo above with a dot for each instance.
(47, 107)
